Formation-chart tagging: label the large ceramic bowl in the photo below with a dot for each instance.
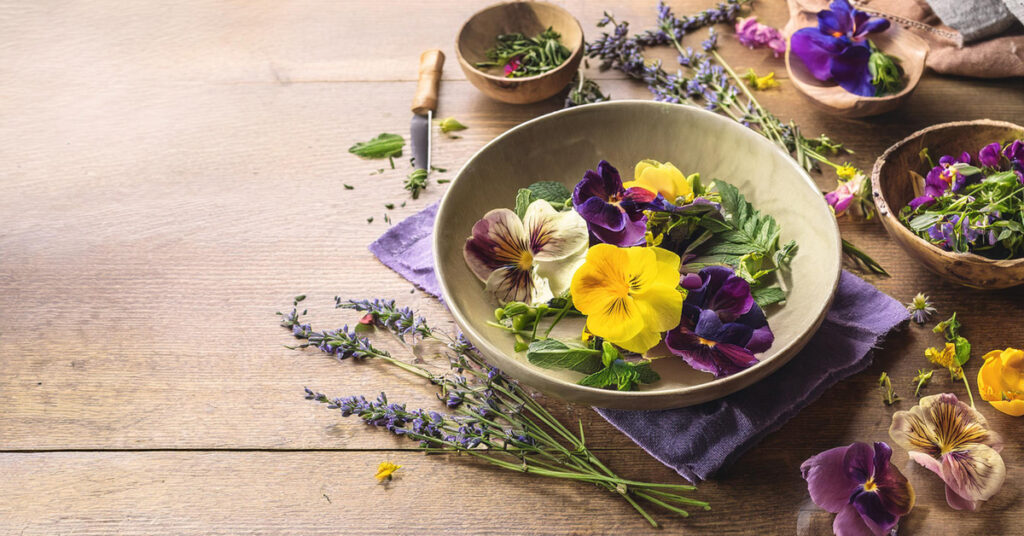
(562, 146)
(893, 188)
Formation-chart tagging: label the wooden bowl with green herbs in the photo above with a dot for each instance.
(893, 180)
(541, 61)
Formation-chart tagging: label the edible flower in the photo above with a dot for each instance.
(385, 470)
(952, 440)
(837, 49)
(513, 65)
(989, 155)
(753, 34)
(858, 483)
(1001, 381)
(760, 83)
(946, 358)
(628, 294)
(943, 177)
(614, 214)
(664, 179)
(920, 308)
(721, 328)
(529, 260)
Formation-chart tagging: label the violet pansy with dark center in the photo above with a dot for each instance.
(614, 214)
(942, 178)
(721, 327)
(859, 484)
(837, 49)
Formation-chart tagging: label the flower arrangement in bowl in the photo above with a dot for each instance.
(951, 195)
(662, 291)
(852, 63)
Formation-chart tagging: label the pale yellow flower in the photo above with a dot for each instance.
(385, 470)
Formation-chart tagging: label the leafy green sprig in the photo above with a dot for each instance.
(521, 56)
(491, 417)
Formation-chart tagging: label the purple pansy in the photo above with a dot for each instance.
(960, 234)
(989, 155)
(753, 34)
(837, 49)
(942, 177)
(1014, 152)
(614, 215)
(721, 327)
(859, 484)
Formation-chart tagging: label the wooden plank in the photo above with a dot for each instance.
(305, 493)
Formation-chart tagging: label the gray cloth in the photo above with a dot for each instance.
(978, 19)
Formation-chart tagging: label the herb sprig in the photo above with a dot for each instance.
(522, 56)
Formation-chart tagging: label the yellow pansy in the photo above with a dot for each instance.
(664, 179)
(945, 358)
(384, 471)
(629, 294)
(1001, 380)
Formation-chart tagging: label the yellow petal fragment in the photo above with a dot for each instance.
(385, 470)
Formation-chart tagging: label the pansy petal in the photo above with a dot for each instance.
(827, 482)
(957, 502)
(850, 71)
(600, 279)
(732, 299)
(660, 306)
(599, 213)
(815, 50)
(975, 472)
(873, 513)
(894, 490)
(989, 155)
(511, 283)
(921, 200)
(618, 321)
(834, 23)
(643, 341)
(554, 235)
(732, 358)
(559, 273)
(498, 240)
(850, 523)
(859, 463)
(870, 25)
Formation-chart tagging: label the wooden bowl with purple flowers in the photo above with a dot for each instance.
(893, 183)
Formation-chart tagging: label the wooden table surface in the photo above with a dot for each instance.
(171, 175)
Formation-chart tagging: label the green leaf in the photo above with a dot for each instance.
(744, 232)
(949, 328)
(552, 353)
(523, 200)
(553, 192)
(963, 350)
(621, 375)
(383, 146)
(785, 254)
(924, 221)
(765, 296)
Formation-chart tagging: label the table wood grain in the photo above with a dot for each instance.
(171, 174)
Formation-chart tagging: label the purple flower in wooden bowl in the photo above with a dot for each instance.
(614, 214)
(837, 49)
(721, 327)
(945, 176)
(859, 484)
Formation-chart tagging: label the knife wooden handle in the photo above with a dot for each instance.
(431, 63)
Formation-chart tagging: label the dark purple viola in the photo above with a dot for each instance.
(989, 155)
(614, 215)
(941, 178)
(859, 483)
(837, 49)
(1014, 152)
(721, 327)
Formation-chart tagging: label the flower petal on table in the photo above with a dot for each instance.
(850, 523)
(827, 482)
(975, 472)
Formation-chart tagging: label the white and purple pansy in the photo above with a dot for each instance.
(721, 327)
(530, 259)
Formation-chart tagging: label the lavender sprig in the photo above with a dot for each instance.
(491, 416)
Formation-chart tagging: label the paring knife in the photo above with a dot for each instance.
(423, 105)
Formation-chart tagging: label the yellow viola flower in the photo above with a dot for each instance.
(945, 358)
(847, 172)
(629, 294)
(1001, 380)
(384, 471)
(664, 179)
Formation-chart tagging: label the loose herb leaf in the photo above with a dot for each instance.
(349, 187)
(765, 296)
(553, 192)
(415, 182)
(552, 353)
(861, 259)
(383, 146)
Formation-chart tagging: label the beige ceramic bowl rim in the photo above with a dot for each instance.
(894, 225)
(577, 48)
(726, 385)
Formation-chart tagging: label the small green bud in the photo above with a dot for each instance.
(450, 124)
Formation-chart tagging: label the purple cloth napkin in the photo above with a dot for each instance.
(699, 440)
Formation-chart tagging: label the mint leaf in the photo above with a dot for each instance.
(553, 353)
(963, 349)
(765, 296)
(553, 192)
(621, 375)
(523, 200)
(383, 146)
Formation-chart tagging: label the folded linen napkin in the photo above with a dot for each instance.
(699, 440)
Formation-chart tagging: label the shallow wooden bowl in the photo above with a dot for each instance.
(894, 188)
(909, 48)
(561, 146)
(529, 18)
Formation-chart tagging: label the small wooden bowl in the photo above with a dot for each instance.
(529, 18)
(910, 49)
(894, 188)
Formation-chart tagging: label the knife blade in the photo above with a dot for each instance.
(423, 105)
